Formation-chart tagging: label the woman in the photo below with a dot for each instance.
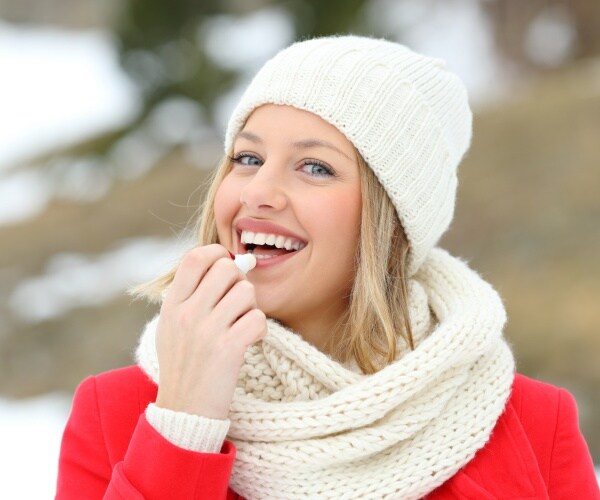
(381, 371)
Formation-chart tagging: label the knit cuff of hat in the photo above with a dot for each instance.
(191, 432)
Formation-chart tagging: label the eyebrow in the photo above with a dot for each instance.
(303, 144)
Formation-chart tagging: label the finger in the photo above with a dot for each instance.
(250, 328)
(217, 282)
(194, 265)
(240, 299)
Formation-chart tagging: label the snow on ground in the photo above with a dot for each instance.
(73, 280)
(58, 87)
(30, 433)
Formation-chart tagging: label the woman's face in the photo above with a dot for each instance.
(295, 184)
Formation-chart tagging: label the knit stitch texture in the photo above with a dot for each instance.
(191, 432)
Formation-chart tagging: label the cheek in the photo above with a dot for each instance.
(339, 221)
(348, 211)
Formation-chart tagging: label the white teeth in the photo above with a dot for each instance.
(276, 240)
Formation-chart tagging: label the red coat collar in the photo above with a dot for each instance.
(505, 468)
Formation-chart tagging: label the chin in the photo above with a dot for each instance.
(272, 301)
(272, 311)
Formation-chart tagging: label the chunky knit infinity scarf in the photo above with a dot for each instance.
(306, 426)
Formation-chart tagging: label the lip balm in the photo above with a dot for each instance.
(245, 262)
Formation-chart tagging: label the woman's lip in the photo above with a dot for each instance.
(269, 261)
(264, 226)
(241, 247)
(260, 263)
(266, 262)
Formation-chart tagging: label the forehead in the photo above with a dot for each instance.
(273, 121)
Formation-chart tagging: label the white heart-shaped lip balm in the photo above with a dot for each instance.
(245, 262)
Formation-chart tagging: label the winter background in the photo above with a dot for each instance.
(84, 115)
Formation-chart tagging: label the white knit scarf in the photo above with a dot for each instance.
(306, 426)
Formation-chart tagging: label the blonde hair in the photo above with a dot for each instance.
(377, 315)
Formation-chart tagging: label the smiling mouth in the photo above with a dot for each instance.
(267, 246)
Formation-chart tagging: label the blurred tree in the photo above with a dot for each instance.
(317, 18)
(161, 45)
(159, 50)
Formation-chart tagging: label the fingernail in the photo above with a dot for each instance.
(231, 255)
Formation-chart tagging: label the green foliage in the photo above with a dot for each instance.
(320, 18)
(160, 45)
(159, 50)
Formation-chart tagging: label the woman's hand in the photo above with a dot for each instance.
(207, 321)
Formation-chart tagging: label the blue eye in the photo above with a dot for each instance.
(247, 159)
(317, 169)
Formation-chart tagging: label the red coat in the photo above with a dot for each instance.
(110, 451)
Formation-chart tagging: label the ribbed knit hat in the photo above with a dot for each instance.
(405, 113)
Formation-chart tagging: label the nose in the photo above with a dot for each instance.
(265, 189)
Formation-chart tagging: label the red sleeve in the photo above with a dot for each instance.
(152, 468)
(572, 472)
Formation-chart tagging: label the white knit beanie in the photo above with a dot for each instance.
(405, 113)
